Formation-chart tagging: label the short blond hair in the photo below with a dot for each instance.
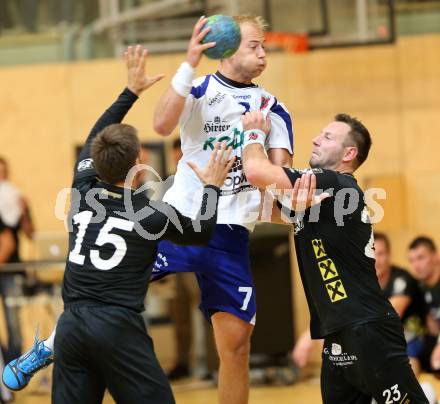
(256, 20)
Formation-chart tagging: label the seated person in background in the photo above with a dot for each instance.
(404, 293)
(15, 214)
(7, 246)
(424, 261)
(406, 296)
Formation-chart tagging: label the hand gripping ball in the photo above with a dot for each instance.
(225, 32)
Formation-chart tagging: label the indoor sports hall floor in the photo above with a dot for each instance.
(303, 392)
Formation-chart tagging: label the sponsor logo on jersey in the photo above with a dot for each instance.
(161, 262)
(236, 180)
(216, 125)
(307, 171)
(235, 140)
(298, 225)
(329, 274)
(399, 286)
(242, 97)
(338, 357)
(237, 166)
(217, 99)
(85, 164)
(336, 349)
(264, 102)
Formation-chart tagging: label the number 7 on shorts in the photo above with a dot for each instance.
(248, 291)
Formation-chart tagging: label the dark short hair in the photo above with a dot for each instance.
(423, 241)
(177, 144)
(359, 135)
(114, 152)
(383, 237)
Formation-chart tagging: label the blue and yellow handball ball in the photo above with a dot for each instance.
(225, 32)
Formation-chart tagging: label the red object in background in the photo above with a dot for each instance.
(382, 31)
(291, 42)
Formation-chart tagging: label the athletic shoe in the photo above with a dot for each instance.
(18, 373)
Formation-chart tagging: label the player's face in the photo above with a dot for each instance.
(383, 259)
(328, 147)
(250, 58)
(422, 260)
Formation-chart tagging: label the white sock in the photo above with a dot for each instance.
(48, 343)
(429, 392)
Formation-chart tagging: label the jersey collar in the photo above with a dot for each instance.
(233, 83)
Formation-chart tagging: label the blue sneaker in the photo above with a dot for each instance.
(18, 373)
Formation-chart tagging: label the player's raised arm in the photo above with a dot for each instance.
(170, 107)
(137, 82)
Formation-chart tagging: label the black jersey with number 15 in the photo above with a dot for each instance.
(335, 250)
(115, 231)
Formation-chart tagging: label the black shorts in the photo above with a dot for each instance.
(369, 361)
(106, 347)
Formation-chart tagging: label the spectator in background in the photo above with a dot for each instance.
(7, 247)
(7, 243)
(15, 215)
(404, 293)
(424, 261)
(406, 296)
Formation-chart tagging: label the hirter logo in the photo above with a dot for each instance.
(253, 136)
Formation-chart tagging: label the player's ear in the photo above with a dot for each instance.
(350, 154)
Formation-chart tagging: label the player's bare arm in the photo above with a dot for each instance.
(400, 303)
(262, 173)
(170, 106)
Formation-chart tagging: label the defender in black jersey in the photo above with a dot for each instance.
(101, 340)
(364, 353)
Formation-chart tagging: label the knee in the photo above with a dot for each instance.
(232, 336)
(235, 347)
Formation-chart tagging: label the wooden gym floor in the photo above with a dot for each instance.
(303, 392)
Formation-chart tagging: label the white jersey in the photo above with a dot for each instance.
(212, 114)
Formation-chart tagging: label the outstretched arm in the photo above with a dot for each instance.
(137, 82)
(171, 105)
(262, 173)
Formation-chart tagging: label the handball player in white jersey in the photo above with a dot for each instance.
(209, 109)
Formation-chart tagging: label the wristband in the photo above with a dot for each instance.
(253, 136)
(182, 80)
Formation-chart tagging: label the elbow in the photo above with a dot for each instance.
(161, 128)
